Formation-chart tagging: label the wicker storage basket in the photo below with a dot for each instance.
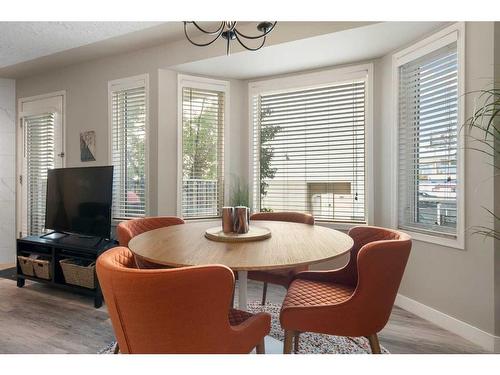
(42, 268)
(77, 274)
(26, 265)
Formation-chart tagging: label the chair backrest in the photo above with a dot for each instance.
(378, 260)
(182, 310)
(128, 229)
(292, 217)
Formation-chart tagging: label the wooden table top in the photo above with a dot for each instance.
(291, 244)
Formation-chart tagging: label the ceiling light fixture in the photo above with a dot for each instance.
(229, 32)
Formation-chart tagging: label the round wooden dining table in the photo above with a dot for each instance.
(290, 245)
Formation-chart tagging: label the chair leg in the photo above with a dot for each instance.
(374, 344)
(261, 348)
(116, 349)
(296, 342)
(287, 346)
(264, 293)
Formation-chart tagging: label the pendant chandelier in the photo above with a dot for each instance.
(229, 32)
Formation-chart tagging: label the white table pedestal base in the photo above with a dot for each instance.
(242, 290)
(272, 345)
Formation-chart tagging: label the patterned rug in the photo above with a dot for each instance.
(8, 273)
(309, 343)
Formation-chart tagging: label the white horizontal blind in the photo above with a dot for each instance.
(128, 151)
(39, 154)
(309, 151)
(428, 110)
(202, 152)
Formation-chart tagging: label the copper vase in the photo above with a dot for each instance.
(241, 219)
(227, 219)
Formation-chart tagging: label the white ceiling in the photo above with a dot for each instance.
(23, 41)
(357, 44)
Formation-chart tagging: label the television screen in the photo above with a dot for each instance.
(79, 200)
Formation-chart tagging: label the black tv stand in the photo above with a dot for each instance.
(65, 238)
(82, 241)
(67, 246)
(55, 235)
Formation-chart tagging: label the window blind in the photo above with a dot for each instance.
(428, 109)
(39, 153)
(202, 152)
(128, 152)
(309, 151)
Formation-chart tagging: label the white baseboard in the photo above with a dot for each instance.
(477, 336)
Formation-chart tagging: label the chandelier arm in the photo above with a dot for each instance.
(258, 36)
(249, 48)
(201, 44)
(206, 31)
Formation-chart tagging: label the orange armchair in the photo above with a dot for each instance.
(128, 229)
(281, 277)
(356, 300)
(180, 310)
(291, 217)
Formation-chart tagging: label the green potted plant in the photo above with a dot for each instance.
(239, 193)
(485, 120)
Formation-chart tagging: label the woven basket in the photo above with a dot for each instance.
(78, 275)
(41, 268)
(26, 265)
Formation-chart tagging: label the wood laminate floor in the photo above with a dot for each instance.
(41, 319)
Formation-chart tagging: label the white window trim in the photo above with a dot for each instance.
(122, 84)
(196, 82)
(19, 144)
(450, 34)
(311, 80)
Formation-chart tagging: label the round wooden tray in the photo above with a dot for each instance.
(254, 234)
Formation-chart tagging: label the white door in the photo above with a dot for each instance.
(41, 148)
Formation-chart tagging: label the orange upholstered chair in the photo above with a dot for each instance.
(128, 229)
(178, 310)
(355, 300)
(284, 276)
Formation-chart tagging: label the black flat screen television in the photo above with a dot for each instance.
(79, 200)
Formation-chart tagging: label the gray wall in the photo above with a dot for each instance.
(497, 188)
(7, 169)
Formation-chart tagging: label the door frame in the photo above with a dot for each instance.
(19, 148)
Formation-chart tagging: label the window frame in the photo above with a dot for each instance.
(20, 187)
(444, 37)
(202, 83)
(315, 79)
(122, 84)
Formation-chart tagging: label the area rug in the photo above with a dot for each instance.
(309, 343)
(314, 343)
(9, 273)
